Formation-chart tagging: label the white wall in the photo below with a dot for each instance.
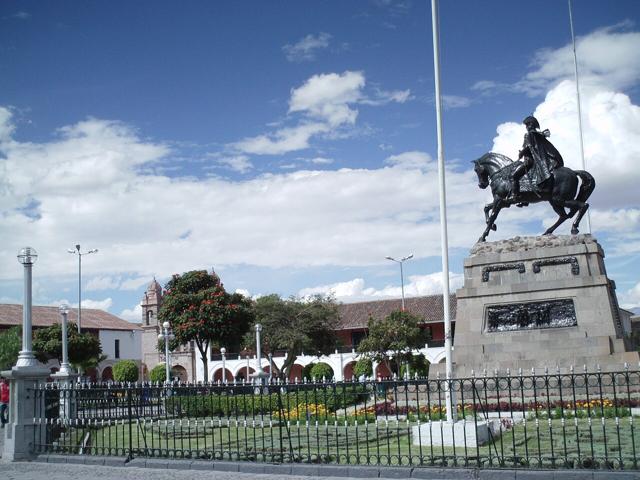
(130, 343)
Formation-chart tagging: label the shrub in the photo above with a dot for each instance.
(125, 371)
(306, 372)
(363, 367)
(158, 373)
(321, 371)
(239, 404)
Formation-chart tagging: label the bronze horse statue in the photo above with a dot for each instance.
(560, 190)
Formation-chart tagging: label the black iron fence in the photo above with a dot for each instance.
(555, 420)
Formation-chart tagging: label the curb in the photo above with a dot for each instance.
(341, 471)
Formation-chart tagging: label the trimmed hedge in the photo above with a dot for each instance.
(158, 374)
(125, 371)
(249, 404)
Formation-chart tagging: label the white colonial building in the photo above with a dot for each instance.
(120, 340)
(187, 364)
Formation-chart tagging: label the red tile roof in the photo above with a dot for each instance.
(92, 318)
(356, 315)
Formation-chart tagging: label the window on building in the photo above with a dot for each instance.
(356, 338)
(117, 348)
(428, 332)
(149, 316)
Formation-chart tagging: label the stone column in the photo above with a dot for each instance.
(24, 404)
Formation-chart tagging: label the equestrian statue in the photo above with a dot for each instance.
(539, 177)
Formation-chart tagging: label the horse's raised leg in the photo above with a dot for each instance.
(487, 209)
(576, 222)
(491, 221)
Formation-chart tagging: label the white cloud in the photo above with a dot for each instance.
(455, 101)
(321, 161)
(325, 104)
(383, 97)
(305, 49)
(328, 217)
(620, 220)
(355, 290)
(607, 57)
(132, 315)
(102, 283)
(134, 283)
(6, 127)
(282, 141)
(86, 303)
(410, 160)
(238, 163)
(631, 298)
(327, 97)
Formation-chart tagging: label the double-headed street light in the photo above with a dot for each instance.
(167, 336)
(401, 261)
(80, 254)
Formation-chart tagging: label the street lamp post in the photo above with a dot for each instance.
(64, 366)
(27, 257)
(259, 372)
(167, 336)
(401, 261)
(223, 352)
(80, 254)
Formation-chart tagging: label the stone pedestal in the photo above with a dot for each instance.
(21, 432)
(535, 302)
(462, 433)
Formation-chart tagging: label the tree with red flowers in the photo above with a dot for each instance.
(199, 309)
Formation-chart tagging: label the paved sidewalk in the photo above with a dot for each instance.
(48, 471)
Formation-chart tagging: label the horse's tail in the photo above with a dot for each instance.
(587, 185)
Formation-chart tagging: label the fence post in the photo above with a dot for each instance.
(129, 393)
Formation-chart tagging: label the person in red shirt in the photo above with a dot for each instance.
(4, 401)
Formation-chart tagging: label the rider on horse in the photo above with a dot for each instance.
(540, 157)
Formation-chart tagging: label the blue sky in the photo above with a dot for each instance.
(291, 144)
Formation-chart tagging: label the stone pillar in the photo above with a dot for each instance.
(24, 405)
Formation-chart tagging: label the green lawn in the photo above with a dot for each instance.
(576, 444)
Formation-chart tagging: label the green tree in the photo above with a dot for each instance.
(417, 365)
(296, 326)
(200, 310)
(321, 371)
(10, 345)
(84, 348)
(363, 367)
(125, 371)
(397, 336)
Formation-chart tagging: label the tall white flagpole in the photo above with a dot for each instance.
(444, 242)
(575, 66)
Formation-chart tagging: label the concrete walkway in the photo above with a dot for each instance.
(47, 471)
(140, 469)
